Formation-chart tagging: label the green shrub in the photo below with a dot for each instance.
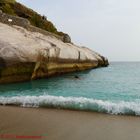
(7, 1)
(6, 8)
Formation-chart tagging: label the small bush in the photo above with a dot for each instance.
(7, 1)
(6, 8)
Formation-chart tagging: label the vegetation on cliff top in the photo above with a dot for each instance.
(14, 8)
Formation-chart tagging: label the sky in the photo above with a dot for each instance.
(110, 27)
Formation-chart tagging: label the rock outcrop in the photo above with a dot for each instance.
(26, 55)
(66, 38)
(22, 22)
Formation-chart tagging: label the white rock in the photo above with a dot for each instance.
(25, 46)
(10, 20)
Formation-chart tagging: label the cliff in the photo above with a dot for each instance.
(28, 52)
(13, 8)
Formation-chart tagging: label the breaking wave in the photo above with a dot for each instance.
(76, 103)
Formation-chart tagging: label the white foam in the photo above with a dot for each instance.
(78, 103)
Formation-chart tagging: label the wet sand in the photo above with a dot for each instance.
(55, 124)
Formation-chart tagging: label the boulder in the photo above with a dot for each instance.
(66, 38)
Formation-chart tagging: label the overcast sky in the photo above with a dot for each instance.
(110, 27)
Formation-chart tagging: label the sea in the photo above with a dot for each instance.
(114, 90)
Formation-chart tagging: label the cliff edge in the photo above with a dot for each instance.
(28, 52)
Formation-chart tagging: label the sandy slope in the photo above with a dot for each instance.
(52, 124)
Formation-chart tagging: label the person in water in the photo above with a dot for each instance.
(76, 77)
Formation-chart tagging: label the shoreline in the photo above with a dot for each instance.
(58, 124)
(73, 103)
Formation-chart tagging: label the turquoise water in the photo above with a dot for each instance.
(114, 89)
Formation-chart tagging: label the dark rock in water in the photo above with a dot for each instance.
(104, 62)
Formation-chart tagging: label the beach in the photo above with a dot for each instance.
(55, 85)
(56, 124)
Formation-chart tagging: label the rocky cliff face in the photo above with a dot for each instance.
(26, 55)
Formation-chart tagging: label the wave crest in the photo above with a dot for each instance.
(78, 103)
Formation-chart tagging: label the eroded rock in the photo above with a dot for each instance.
(26, 55)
